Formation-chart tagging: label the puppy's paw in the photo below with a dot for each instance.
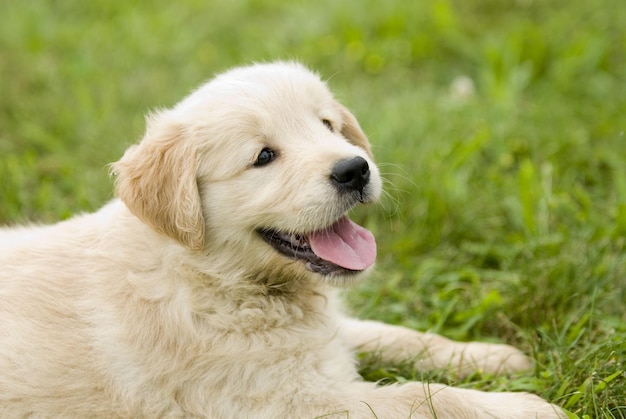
(518, 406)
(438, 400)
(489, 358)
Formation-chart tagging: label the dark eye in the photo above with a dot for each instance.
(328, 125)
(265, 156)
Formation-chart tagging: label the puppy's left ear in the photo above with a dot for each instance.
(156, 179)
(352, 131)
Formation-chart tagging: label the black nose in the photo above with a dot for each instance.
(351, 175)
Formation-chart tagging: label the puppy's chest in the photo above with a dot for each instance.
(263, 314)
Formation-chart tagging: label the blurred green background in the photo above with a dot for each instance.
(498, 125)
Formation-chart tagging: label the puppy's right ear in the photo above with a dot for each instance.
(352, 131)
(156, 179)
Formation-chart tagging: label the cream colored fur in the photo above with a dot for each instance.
(166, 303)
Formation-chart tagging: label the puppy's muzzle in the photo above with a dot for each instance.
(351, 175)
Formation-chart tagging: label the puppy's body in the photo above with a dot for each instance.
(197, 293)
(140, 332)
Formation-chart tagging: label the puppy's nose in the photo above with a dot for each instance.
(351, 174)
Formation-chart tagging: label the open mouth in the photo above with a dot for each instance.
(343, 248)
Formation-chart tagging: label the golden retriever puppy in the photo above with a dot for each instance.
(207, 288)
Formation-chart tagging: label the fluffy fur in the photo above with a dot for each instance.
(168, 303)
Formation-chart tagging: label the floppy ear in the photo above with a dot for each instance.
(352, 131)
(156, 179)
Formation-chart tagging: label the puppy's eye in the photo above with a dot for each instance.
(328, 125)
(265, 156)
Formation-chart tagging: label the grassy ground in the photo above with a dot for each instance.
(499, 127)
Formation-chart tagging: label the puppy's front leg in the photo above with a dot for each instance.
(431, 351)
(423, 401)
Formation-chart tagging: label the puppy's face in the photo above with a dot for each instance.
(258, 169)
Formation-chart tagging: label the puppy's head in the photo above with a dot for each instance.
(257, 169)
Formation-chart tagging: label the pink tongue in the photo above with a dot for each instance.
(345, 244)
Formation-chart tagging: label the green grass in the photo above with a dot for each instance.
(505, 213)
